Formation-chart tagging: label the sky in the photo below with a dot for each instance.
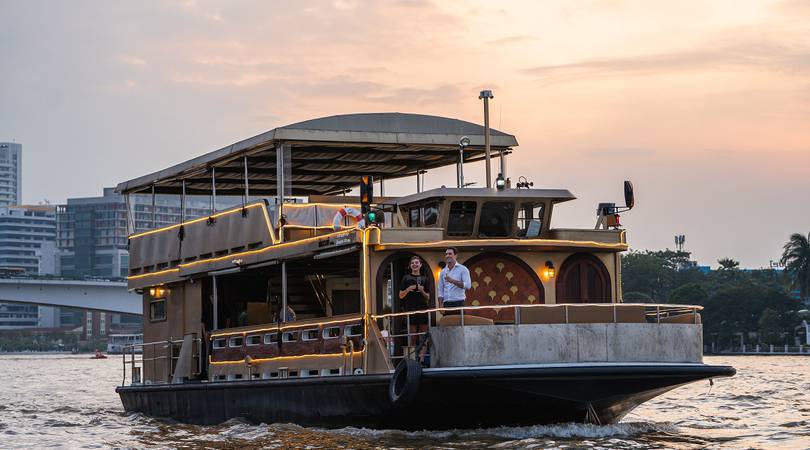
(705, 106)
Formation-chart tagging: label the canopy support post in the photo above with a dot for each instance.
(183, 203)
(280, 182)
(382, 187)
(130, 225)
(213, 189)
(215, 301)
(154, 208)
(247, 184)
(284, 291)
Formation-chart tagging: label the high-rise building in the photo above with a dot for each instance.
(27, 235)
(10, 173)
(27, 247)
(92, 231)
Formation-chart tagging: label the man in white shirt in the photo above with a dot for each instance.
(454, 280)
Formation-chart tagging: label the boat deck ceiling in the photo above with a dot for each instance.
(328, 155)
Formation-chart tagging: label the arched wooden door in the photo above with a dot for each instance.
(583, 278)
(501, 279)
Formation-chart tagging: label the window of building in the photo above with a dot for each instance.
(496, 219)
(461, 220)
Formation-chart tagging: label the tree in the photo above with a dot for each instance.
(728, 264)
(689, 294)
(770, 330)
(796, 258)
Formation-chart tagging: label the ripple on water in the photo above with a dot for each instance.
(765, 406)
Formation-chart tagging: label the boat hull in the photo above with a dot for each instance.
(446, 398)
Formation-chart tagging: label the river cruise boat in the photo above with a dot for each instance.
(286, 308)
(117, 342)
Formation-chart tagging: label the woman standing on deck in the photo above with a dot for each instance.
(415, 297)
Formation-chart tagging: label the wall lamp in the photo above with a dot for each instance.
(549, 271)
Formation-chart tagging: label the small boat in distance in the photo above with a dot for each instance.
(286, 307)
(117, 342)
(98, 355)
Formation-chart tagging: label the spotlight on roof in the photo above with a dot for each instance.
(500, 182)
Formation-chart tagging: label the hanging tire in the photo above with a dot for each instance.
(405, 383)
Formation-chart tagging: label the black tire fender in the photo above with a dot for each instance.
(405, 382)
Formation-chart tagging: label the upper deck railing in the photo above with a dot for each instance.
(532, 314)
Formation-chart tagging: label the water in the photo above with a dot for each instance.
(69, 402)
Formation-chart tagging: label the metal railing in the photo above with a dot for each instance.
(652, 313)
(167, 351)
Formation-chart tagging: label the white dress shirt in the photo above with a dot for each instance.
(449, 291)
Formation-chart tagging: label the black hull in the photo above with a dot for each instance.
(447, 398)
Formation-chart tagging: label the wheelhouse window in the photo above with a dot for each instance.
(431, 214)
(461, 220)
(530, 219)
(414, 219)
(496, 219)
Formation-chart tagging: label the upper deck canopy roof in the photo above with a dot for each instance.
(556, 195)
(328, 155)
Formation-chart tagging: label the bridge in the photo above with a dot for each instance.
(93, 294)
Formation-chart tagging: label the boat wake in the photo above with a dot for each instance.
(563, 430)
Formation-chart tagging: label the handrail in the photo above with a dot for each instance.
(661, 307)
(169, 344)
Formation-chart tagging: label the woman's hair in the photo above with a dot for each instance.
(416, 258)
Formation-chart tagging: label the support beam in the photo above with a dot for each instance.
(284, 291)
(154, 209)
(215, 301)
(213, 190)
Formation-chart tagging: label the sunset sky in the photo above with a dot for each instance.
(705, 106)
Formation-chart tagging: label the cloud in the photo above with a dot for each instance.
(130, 60)
(513, 40)
(737, 56)
(619, 152)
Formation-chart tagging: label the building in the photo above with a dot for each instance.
(27, 239)
(27, 247)
(10, 173)
(14, 316)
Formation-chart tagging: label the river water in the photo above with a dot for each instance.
(55, 401)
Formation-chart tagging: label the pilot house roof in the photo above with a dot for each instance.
(328, 155)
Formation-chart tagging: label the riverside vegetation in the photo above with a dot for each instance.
(763, 306)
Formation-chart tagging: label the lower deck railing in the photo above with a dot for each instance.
(157, 356)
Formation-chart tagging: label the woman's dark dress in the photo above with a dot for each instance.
(414, 300)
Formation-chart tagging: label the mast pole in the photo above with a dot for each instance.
(486, 95)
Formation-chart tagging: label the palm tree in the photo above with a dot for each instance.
(796, 259)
